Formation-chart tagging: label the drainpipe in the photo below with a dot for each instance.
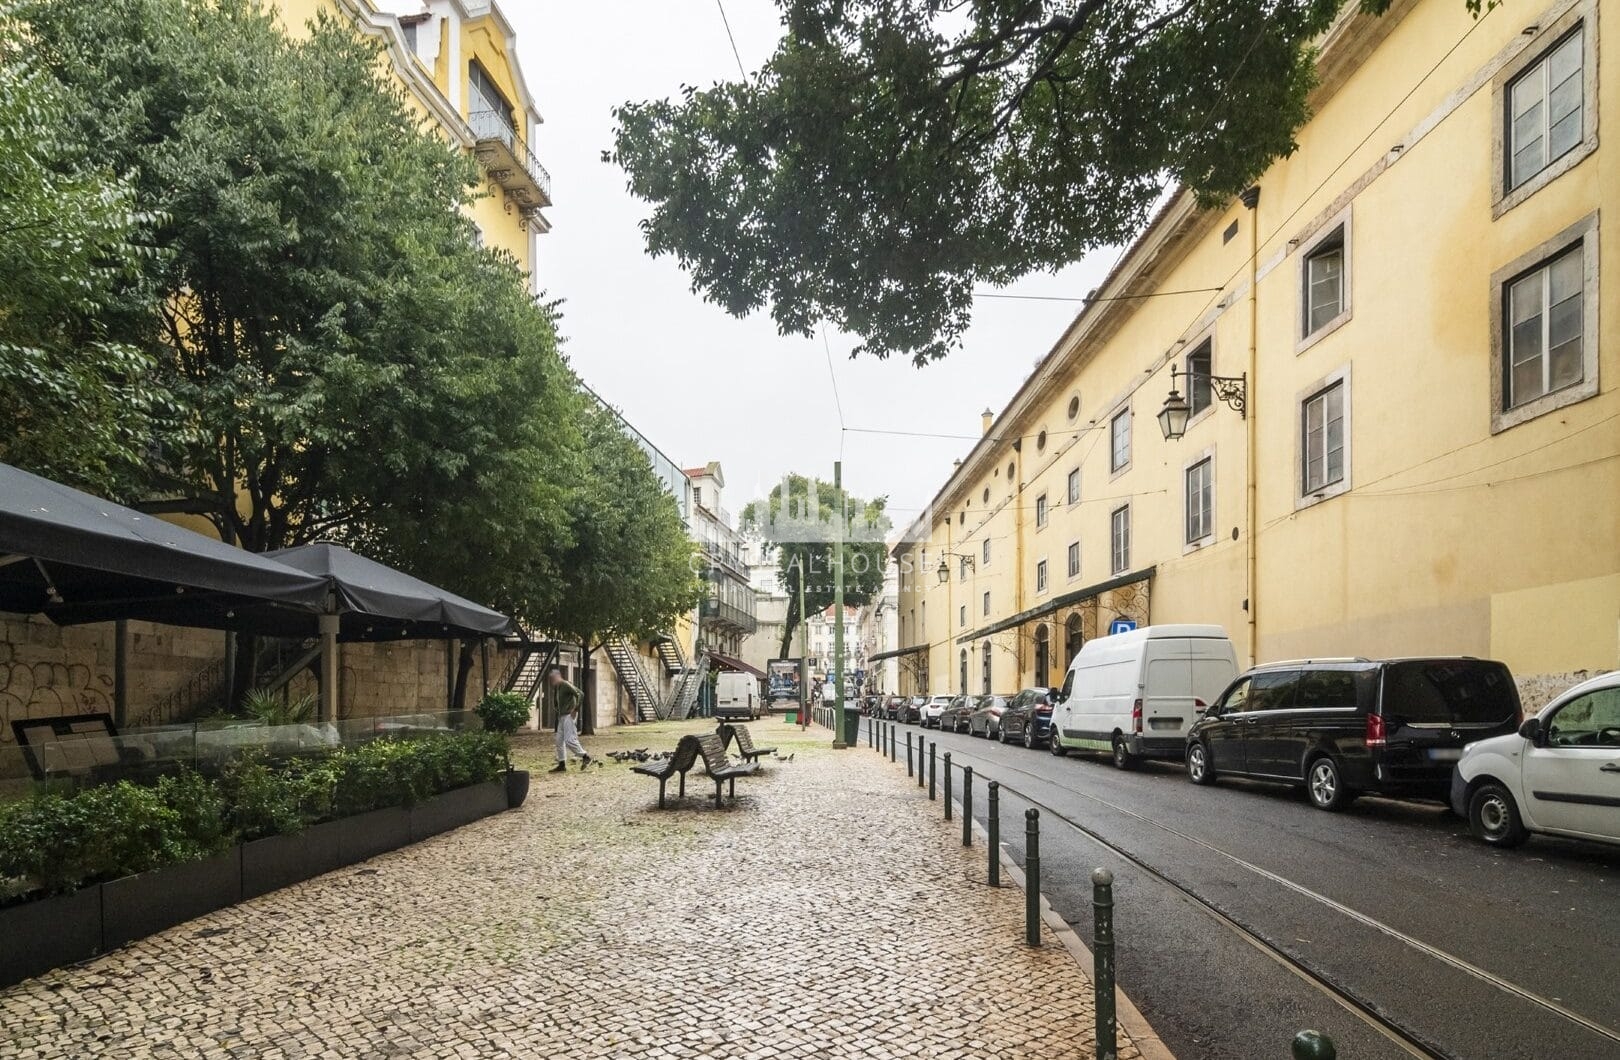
(1018, 560)
(1251, 199)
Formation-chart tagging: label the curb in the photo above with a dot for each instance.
(1126, 1015)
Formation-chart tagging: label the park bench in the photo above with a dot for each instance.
(720, 768)
(683, 759)
(745, 742)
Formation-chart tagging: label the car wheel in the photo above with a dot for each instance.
(1123, 759)
(1198, 768)
(1001, 734)
(1052, 744)
(1029, 737)
(1324, 785)
(1494, 818)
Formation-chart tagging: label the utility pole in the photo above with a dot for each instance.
(804, 651)
(838, 609)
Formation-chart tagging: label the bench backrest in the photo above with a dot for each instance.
(686, 754)
(745, 739)
(713, 751)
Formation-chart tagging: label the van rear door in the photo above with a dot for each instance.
(1181, 678)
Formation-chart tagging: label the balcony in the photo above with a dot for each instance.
(509, 161)
(728, 617)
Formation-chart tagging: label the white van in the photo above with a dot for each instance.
(1136, 694)
(736, 696)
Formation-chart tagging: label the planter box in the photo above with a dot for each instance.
(324, 847)
(50, 932)
(366, 835)
(137, 906)
(272, 863)
(456, 808)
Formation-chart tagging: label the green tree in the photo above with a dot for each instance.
(894, 154)
(75, 401)
(798, 519)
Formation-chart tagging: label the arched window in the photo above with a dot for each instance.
(986, 653)
(1043, 655)
(964, 671)
(1071, 637)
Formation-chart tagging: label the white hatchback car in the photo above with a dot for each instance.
(933, 709)
(1559, 774)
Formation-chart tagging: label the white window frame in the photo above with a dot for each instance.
(1586, 234)
(1341, 379)
(1072, 487)
(1340, 224)
(1041, 512)
(987, 601)
(1042, 582)
(1074, 560)
(1118, 469)
(986, 551)
(1192, 544)
(1117, 563)
(1580, 16)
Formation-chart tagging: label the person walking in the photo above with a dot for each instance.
(568, 699)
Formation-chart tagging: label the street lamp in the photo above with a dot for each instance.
(944, 570)
(1173, 417)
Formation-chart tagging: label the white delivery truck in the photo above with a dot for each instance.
(736, 696)
(1136, 694)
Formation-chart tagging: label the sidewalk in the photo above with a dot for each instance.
(830, 913)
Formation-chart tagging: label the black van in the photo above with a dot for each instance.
(1343, 727)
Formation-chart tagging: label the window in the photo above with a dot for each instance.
(697, 496)
(1322, 274)
(1119, 435)
(986, 550)
(1043, 656)
(1040, 511)
(1322, 441)
(484, 99)
(963, 567)
(964, 671)
(1590, 721)
(985, 651)
(987, 602)
(1544, 105)
(1120, 538)
(1074, 559)
(925, 619)
(1040, 441)
(1040, 576)
(1071, 640)
(1074, 407)
(962, 620)
(1074, 486)
(1544, 329)
(1544, 338)
(1199, 394)
(1201, 501)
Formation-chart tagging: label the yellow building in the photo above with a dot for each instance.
(1418, 448)
(458, 65)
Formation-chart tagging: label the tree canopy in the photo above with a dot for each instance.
(797, 519)
(894, 154)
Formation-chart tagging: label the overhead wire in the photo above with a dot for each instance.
(727, 23)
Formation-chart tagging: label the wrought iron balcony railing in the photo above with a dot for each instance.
(508, 159)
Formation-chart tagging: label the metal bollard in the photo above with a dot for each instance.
(993, 820)
(919, 760)
(947, 785)
(932, 747)
(1032, 879)
(908, 754)
(894, 734)
(967, 806)
(1102, 904)
(1314, 1045)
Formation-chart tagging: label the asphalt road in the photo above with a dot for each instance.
(1472, 952)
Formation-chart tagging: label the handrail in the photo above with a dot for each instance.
(493, 125)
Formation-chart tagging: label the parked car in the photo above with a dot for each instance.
(912, 712)
(954, 717)
(736, 697)
(933, 709)
(985, 720)
(890, 707)
(1559, 774)
(1028, 718)
(1135, 695)
(1351, 726)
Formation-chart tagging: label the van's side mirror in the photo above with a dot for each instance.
(1531, 730)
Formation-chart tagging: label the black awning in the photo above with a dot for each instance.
(377, 602)
(1056, 604)
(727, 662)
(896, 653)
(78, 558)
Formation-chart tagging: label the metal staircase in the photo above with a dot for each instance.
(684, 692)
(671, 654)
(633, 676)
(525, 673)
(280, 658)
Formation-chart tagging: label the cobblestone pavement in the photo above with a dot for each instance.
(829, 912)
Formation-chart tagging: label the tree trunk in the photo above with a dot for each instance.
(463, 669)
(587, 690)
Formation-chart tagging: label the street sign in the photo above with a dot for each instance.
(1121, 625)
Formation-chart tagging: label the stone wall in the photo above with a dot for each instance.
(1537, 690)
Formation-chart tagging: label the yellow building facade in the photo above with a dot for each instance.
(458, 65)
(1399, 353)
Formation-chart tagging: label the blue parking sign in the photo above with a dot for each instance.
(1121, 625)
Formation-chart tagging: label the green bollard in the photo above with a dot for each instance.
(1102, 904)
(1032, 877)
(967, 806)
(1313, 1045)
(947, 785)
(932, 747)
(919, 760)
(994, 822)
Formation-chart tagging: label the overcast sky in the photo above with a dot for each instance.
(698, 382)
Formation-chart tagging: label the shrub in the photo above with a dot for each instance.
(503, 711)
(272, 709)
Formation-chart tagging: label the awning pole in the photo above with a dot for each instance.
(329, 667)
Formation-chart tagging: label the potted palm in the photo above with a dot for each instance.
(505, 712)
